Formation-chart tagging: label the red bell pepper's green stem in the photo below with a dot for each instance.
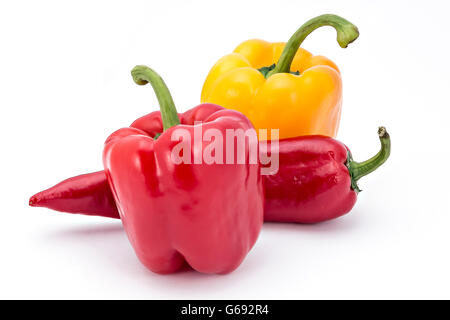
(346, 34)
(143, 75)
(360, 169)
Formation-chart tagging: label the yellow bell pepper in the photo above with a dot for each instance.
(299, 95)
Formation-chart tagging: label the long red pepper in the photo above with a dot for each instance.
(316, 181)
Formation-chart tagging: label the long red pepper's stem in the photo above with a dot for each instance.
(143, 75)
(360, 169)
(346, 34)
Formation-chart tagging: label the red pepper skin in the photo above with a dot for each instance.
(87, 194)
(312, 184)
(208, 215)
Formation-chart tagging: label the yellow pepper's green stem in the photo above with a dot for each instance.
(143, 75)
(346, 33)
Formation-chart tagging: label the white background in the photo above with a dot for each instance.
(65, 85)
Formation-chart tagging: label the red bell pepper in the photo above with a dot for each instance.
(316, 180)
(180, 213)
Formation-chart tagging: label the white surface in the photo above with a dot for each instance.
(65, 85)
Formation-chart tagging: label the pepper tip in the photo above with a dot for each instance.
(33, 201)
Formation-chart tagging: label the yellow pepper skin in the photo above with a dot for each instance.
(299, 95)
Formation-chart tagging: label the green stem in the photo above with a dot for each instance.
(346, 34)
(360, 169)
(143, 75)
